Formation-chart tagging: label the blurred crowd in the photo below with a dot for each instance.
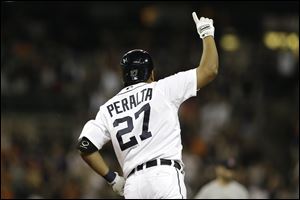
(60, 62)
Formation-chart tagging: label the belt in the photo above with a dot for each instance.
(153, 163)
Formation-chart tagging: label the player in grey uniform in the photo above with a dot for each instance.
(224, 186)
(142, 123)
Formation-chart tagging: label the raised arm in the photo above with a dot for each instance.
(209, 64)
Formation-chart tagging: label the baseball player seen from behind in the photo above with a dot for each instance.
(143, 125)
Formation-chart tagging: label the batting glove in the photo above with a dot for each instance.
(118, 184)
(204, 26)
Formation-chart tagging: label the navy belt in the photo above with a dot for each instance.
(153, 163)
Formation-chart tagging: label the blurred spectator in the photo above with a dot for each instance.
(224, 186)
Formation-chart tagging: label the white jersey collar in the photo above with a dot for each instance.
(131, 87)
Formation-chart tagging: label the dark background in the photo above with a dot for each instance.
(60, 62)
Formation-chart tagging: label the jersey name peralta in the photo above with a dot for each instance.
(142, 120)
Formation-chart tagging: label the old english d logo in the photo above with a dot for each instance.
(133, 74)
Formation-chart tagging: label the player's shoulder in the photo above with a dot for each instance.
(113, 98)
(185, 73)
(209, 185)
(206, 189)
(237, 184)
(109, 101)
(212, 182)
(240, 187)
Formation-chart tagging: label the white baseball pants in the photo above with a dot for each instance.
(157, 182)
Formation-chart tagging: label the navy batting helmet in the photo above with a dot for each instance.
(136, 66)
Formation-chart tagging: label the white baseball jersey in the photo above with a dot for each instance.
(142, 120)
(216, 190)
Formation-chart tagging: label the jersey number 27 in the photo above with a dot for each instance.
(132, 140)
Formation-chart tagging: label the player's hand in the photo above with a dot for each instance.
(204, 26)
(118, 184)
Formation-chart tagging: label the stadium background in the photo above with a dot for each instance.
(60, 62)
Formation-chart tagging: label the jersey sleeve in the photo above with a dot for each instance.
(179, 87)
(96, 131)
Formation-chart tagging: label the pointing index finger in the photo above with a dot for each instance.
(195, 17)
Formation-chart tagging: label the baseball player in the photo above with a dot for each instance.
(224, 186)
(142, 123)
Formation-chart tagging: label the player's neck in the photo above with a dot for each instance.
(151, 78)
(223, 181)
